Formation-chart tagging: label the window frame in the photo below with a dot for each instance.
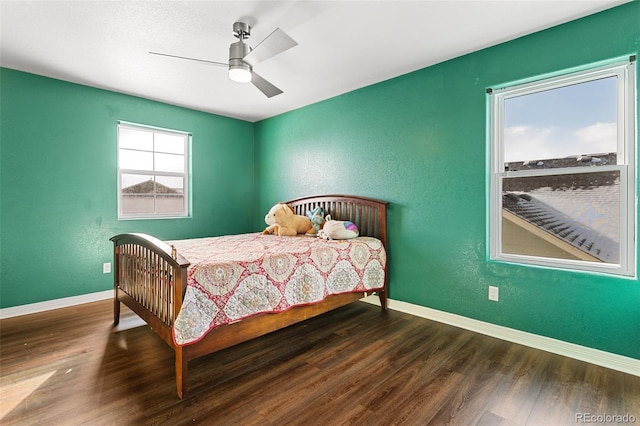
(625, 71)
(185, 175)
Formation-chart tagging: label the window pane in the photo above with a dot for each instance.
(166, 203)
(169, 163)
(135, 203)
(570, 126)
(136, 184)
(135, 139)
(135, 160)
(574, 216)
(170, 184)
(171, 144)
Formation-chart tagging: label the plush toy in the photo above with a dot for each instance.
(283, 221)
(338, 229)
(316, 216)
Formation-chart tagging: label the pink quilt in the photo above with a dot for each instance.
(237, 276)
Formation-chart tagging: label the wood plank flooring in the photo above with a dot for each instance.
(355, 365)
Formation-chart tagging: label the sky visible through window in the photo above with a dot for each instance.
(573, 120)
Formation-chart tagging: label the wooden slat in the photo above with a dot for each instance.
(141, 274)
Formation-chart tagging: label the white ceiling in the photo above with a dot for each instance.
(343, 45)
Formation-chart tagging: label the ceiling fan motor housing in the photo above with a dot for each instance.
(238, 50)
(239, 70)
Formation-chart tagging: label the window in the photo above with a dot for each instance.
(152, 172)
(563, 171)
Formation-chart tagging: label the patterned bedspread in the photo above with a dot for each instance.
(237, 276)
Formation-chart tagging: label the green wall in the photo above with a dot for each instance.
(419, 141)
(58, 183)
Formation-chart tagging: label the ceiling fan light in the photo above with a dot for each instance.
(240, 74)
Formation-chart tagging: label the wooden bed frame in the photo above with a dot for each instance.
(151, 279)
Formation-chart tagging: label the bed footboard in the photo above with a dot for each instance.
(150, 279)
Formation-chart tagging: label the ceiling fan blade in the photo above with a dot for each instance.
(264, 86)
(275, 43)
(222, 64)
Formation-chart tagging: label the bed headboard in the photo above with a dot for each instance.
(369, 215)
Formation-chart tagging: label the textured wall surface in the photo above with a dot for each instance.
(419, 141)
(58, 183)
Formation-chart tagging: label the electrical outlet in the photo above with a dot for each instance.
(106, 268)
(493, 293)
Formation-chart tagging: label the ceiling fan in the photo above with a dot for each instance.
(242, 58)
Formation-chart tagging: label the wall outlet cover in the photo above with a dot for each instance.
(494, 293)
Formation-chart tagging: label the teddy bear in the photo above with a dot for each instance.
(283, 221)
(316, 216)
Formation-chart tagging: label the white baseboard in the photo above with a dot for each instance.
(32, 308)
(571, 350)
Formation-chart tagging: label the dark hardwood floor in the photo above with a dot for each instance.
(355, 365)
